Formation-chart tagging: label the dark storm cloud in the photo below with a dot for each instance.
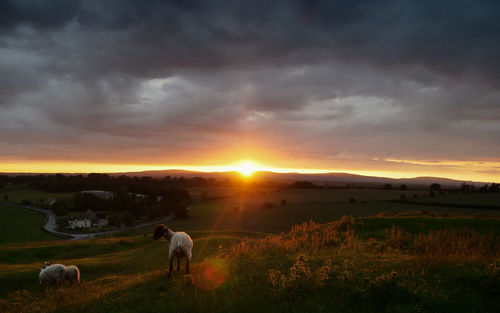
(38, 14)
(150, 37)
(358, 79)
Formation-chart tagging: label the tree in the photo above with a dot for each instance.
(59, 208)
(484, 188)
(84, 201)
(435, 187)
(388, 187)
(304, 185)
(494, 188)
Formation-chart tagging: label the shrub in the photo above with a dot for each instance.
(323, 275)
(298, 278)
(399, 239)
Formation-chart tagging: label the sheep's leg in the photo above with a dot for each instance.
(187, 266)
(178, 263)
(170, 267)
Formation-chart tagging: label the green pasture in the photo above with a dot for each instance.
(490, 199)
(257, 196)
(18, 195)
(129, 274)
(246, 211)
(18, 224)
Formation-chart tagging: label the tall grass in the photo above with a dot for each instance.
(463, 244)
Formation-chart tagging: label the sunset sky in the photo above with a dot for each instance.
(384, 88)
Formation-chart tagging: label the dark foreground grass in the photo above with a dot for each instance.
(345, 266)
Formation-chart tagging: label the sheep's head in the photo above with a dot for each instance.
(46, 264)
(160, 231)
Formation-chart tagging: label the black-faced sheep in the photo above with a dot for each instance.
(180, 243)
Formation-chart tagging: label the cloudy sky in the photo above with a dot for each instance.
(394, 88)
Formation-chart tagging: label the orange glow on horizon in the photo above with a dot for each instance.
(247, 168)
(465, 171)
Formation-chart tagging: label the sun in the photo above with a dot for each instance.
(246, 168)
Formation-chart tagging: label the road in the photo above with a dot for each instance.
(51, 225)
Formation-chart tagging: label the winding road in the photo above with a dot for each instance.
(51, 225)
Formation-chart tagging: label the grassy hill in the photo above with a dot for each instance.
(397, 263)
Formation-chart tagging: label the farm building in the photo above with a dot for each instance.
(79, 223)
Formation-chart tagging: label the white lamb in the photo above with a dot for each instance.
(180, 243)
(72, 274)
(52, 275)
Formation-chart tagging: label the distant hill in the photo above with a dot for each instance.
(325, 178)
(317, 178)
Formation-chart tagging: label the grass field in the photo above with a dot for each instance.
(394, 261)
(260, 195)
(355, 266)
(21, 225)
(492, 199)
(239, 209)
(17, 194)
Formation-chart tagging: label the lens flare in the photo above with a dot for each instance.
(246, 168)
(208, 275)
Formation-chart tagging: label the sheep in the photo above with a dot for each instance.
(180, 243)
(72, 274)
(52, 274)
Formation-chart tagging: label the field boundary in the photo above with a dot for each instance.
(450, 205)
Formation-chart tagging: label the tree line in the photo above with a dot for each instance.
(133, 197)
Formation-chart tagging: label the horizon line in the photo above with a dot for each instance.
(297, 172)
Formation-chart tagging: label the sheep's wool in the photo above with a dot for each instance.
(180, 245)
(52, 274)
(72, 273)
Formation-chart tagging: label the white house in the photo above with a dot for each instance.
(79, 223)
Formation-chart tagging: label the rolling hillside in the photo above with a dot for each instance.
(381, 264)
